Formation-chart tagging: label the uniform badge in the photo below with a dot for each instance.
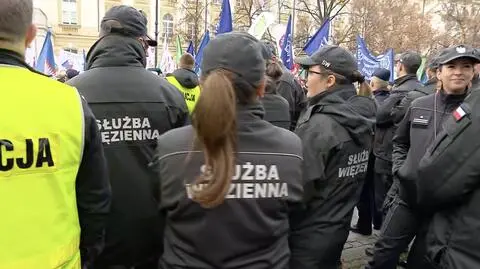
(461, 49)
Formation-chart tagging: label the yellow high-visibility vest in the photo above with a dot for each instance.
(41, 146)
(191, 95)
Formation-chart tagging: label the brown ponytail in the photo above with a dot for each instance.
(214, 121)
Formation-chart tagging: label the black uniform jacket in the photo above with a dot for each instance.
(448, 187)
(389, 113)
(337, 141)
(276, 110)
(250, 229)
(133, 108)
(422, 123)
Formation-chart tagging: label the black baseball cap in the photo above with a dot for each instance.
(133, 21)
(237, 52)
(381, 73)
(410, 59)
(270, 49)
(461, 51)
(333, 58)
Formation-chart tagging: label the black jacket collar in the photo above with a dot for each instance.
(114, 50)
(401, 80)
(9, 57)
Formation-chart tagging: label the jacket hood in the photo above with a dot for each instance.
(186, 77)
(248, 112)
(355, 113)
(115, 50)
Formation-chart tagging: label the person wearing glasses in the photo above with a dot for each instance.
(337, 137)
(133, 108)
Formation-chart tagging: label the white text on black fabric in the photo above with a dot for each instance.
(250, 182)
(357, 164)
(126, 129)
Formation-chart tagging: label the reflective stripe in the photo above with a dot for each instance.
(190, 95)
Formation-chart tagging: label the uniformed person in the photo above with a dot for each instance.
(390, 112)
(448, 188)
(54, 190)
(422, 123)
(277, 109)
(336, 142)
(186, 81)
(288, 87)
(374, 189)
(229, 181)
(133, 108)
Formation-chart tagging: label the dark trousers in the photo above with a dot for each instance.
(382, 184)
(399, 228)
(371, 204)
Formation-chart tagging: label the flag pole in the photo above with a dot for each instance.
(156, 32)
(293, 19)
(206, 14)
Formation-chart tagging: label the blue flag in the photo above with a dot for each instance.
(46, 59)
(319, 39)
(199, 56)
(225, 24)
(367, 63)
(190, 49)
(286, 46)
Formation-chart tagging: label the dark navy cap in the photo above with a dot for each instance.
(133, 21)
(71, 73)
(382, 73)
(461, 51)
(333, 58)
(237, 52)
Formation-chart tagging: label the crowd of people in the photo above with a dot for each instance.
(239, 167)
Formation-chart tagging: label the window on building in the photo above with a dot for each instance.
(191, 30)
(238, 3)
(217, 2)
(69, 12)
(167, 26)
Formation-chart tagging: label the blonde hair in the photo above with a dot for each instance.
(379, 83)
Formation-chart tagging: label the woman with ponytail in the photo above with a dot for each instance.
(228, 182)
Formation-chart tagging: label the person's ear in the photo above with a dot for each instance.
(331, 80)
(31, 34)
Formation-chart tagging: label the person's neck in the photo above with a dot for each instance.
(401, 75)
(13, 47)
(454, 92)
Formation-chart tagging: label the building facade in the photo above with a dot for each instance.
(75, 23)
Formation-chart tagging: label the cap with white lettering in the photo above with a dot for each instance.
(333, 58)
